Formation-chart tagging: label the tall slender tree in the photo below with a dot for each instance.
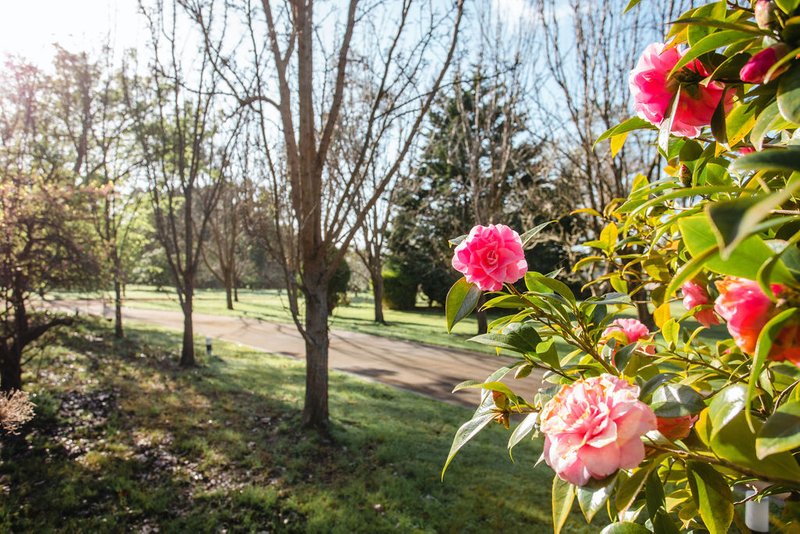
(284, 81)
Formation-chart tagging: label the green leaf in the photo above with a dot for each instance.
(709, 44)
(631, 5)
(528, 236)
(737, 443)
(629, 488)
(781, 432)
(744, 261)
(718, 127)
(523, 338)
(768, 120)
(524, 428)
(634, 123)
(676, 400)
(555, 285)
(766, 338)
(725, 406)
(625, 528)
(663, 524)
(654, 494)
(734, 220)
(778, 159)
(713, 497)
(788, 6)
(562, 497)
(467, 431)
(789, 94)
(461, 300)
(666, 124)
(593, 496)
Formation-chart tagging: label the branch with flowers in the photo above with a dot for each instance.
(665, 430)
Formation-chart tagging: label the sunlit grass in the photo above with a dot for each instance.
(220, 447)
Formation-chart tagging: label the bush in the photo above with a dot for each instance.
(399, 290)
(337, 287)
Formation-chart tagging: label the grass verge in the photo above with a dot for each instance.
(125, 441)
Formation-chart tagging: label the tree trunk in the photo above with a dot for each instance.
(377, 292)
(229, 290)
(10, 370)
(187, 350)
(118, 331)
(643, 311)
(315, 411)
(235, 291)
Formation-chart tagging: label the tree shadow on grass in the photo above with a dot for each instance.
(220, 447)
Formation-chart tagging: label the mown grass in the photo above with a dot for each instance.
(124, 440)
(423, 324)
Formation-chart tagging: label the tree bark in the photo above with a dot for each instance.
(315, 411)
(377, 293)
(187, 350)
(228, 290)
(119, 333)
(10, 370)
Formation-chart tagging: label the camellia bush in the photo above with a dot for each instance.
(679, 427)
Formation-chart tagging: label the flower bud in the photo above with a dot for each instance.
(755, 70)
(765, 14)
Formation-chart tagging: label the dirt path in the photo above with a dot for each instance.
(428, 370)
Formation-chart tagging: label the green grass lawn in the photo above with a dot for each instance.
(126, 441)
(426, 325)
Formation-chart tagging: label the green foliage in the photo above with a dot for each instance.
(337, 286)
(399, 290)
(724, 215)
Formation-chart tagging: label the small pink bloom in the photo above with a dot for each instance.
(696, 295)
(632, 330)
(653, 92)
(746, 308)
(746, 150)
(491, 256)
(593, 427)
(755, 70)
(675, 427)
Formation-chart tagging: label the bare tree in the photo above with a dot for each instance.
(413, 43)
(185, 147)
(222, 255)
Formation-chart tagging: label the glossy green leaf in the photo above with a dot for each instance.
(781, 432)
(528, 236)
(467, 431)
(785, 159)
(713, 497)
(663, 524)
(789, 94)
(763, 347)
(563, 495)
(625, 528)
(557, 286)
(676, 400)
(725, 406)
(523, 429)
(735, 220)
(628, 489)
(593, 496)
(744, 261)
(737, 443)
(634, 123)
(654, 494)
(788, 6)
(460, 302)
(709, 44)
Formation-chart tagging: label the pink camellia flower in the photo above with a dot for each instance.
(653, 92)
(593, 427)
(675, 427)
(696, 295)
(755, 70)
(491, 256)
(747, 309)
(632, 330)
(746, 150)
